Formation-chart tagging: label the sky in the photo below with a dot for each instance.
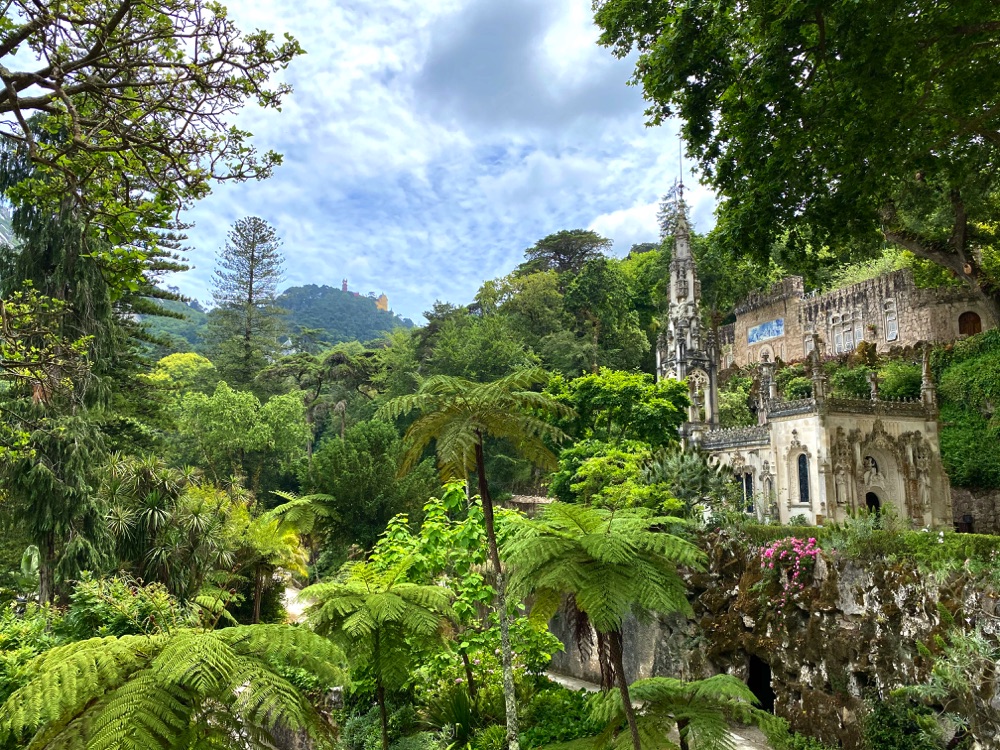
(429, 142)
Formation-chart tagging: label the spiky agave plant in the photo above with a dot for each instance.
(181, 690)
(609, 563)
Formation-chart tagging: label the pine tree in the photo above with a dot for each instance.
(609, 563)
(244, 327)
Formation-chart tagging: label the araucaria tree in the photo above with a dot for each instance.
(848, 121)
(607, 563)
(245, 326)
(457, 415)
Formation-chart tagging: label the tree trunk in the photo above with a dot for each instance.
(470, 680)
(506, 655)
(380, 697)
(615, 639)
(46, 570)
(258, 595)
(380, 693)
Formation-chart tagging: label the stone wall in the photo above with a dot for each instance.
(853, 633)
(858, 312)
(982, 505)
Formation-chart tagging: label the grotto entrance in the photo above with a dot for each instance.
(873, 503)
(759, 682)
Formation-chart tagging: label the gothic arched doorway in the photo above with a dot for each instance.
(873, 503)
(969, 324)
(759, 682)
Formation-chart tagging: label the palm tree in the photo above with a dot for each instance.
(609, 563)
(378, 618)
(701, 710)
(457, 415)
(187, 688)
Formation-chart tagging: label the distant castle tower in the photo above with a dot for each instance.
(382, 303)
(682, 350)
(343, 286)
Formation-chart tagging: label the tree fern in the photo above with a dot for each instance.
(170, 690)
(700, 710)
(456, 415)
(378, 617)
(608, 564)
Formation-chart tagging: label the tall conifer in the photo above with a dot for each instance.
(244, 327)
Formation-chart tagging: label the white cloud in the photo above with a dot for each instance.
(428, 143)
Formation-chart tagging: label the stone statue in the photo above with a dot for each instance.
(871, 470)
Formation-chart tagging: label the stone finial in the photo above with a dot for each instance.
(873, 384)
(928, 391)
(818, 373)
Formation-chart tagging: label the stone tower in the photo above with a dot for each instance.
(684, 349)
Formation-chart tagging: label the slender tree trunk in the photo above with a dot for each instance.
(506, 655)
(46, 570)
(615, 639)
(258, 595)
(470, 680)
(380, 696)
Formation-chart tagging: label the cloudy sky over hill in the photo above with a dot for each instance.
(429, 142)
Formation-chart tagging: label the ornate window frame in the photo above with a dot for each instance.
(891, 317)
(796, 452)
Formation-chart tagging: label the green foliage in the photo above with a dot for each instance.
(556, 714)
(701, 710)
(898, 724)
(757, 91)
(229, 433)
(565, 252)
(362, 731)
(378, 616)
(23, 636)
(361, 477)
(734, 402)
(167, 689)
(899, 379)
(610, 562)
(456, 414)
(851, 382)
(493, 737)
(781, 739)
(690, 477)
(968, 372)
(479, 349)
(119, 606)
(798, 388)
(614, 406)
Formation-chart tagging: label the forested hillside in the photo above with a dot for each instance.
(328, 315)
(339, 315)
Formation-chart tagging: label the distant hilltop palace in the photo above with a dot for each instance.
(820, 457)
(381, 302)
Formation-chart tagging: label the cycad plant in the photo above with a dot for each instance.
(181, 690)
(608, 563)
(379, 619)
(700, 710)
(457, 415)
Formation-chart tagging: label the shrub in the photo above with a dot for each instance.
(419, 741)
(557, 714)
(790, 562)
(898, 724)
(851, 382)
(781, 739)
(798, 388)
(493, 737)
(901, 379)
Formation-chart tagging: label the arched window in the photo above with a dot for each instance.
(891, 324)
(969, 324)
(804, 479)
(748, 492)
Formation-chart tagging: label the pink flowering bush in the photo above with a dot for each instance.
(789, 562)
